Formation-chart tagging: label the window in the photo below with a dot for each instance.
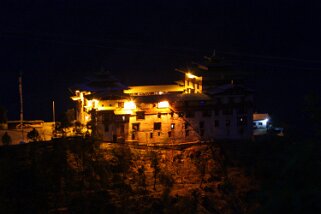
(133, 136)
(207, 113)
(189, 114)
(216, 112)
(106, 126)
(151, 135)
(187, 125)
(121, 104)
(135, 126)
(157, 126)
(158, 133)
(260, 123)
(216, 123)
(227, 123)
(186, 133)
(169, 134)
(172, 114)
(201, 124)
(173, 126)
(159, 115)
(140, 115)
(227, 111)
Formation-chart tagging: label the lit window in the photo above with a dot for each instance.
(163, 104)
(135, 126)
(173, 126)
(129, 105)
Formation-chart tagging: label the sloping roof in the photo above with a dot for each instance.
(155, 98)
(153, 88)
(229, 89)
(260, 116)
(191, 97)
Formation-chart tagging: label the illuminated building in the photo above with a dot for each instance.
(158, 114)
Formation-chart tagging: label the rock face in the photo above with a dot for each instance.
(80, 176)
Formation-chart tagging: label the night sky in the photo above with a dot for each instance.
(142, 42)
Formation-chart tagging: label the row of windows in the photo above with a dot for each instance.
(140, 115)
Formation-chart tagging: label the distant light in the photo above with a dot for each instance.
(129, 105)
(163, 104)
(189, 75)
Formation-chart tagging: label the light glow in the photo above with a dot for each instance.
(190, 75)
(129, 105)
(163, 104)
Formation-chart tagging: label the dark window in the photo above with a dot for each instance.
(187, 125)
(241, 110)
(173, 126)
(201, 125)
(159, 115)
(216, 123)
(106, 126)
(140, 115)
(227, 111)
(158, 133)
(207, 113)
(151, 135)
(172, 114)
(216, 111)
(227, 122)
(169, 134)
(135, 126)
(157, 126)
(133, 136)
(190, 114)
(260, 123)
(186, 133)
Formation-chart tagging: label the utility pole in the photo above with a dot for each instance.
(21, 107)
(54, 114)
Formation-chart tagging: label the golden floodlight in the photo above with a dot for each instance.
(190, 75)
(163, 104)
(129, 105)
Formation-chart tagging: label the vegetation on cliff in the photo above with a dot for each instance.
(79, 176)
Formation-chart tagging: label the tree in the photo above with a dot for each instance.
(155, 166)
(6, 139)
(33, 135)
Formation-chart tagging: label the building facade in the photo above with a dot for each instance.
(167, 114)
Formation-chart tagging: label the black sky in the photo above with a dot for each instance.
(52, 43)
